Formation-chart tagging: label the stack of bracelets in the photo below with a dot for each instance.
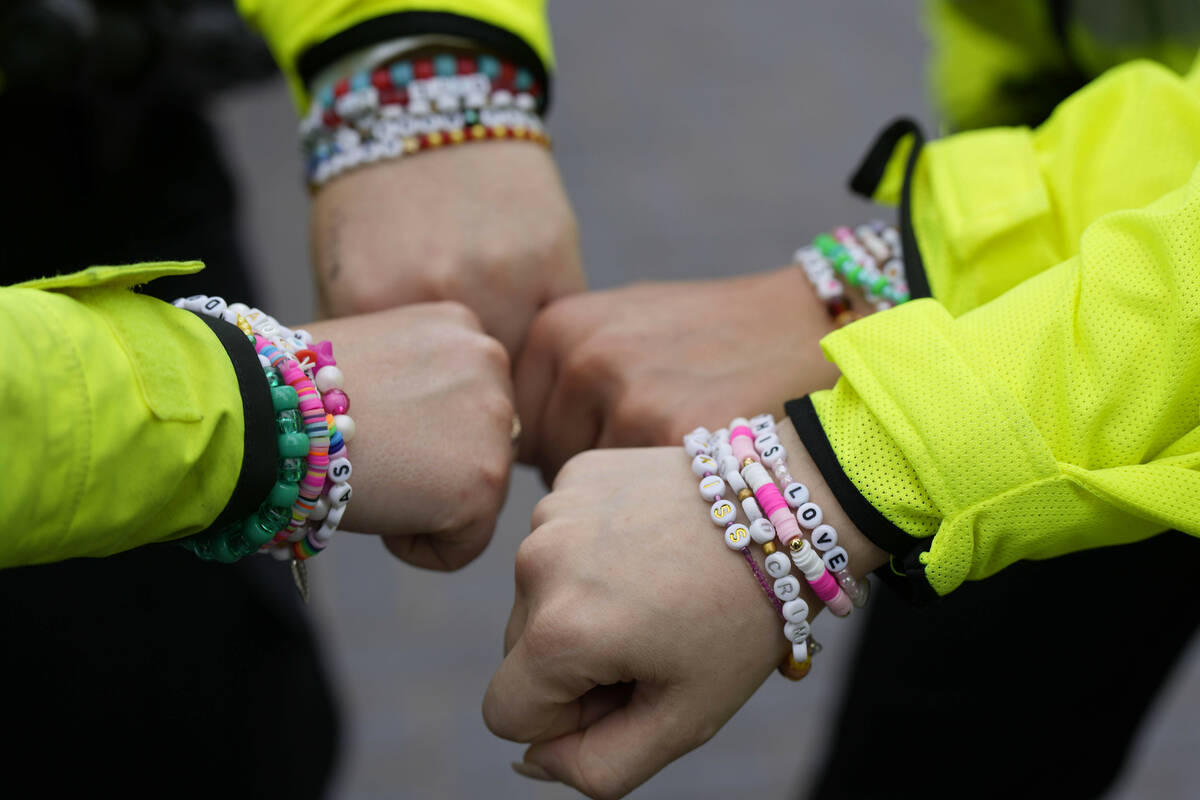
(869, 257)
(748, 458)
(412, 105)
(302, 512)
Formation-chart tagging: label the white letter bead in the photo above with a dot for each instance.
(737, 537)
(302, 336)
(694, 446)
(773, 455)
(320, 510)
(239, 308)
(796, 494)
(704, 465)
(787, 588)
(836, 559)
(328, 377)
(778, 565)
(195, 302)
(339, 470)
(824, 537)
(722, 513)
(723, 451)
(795, 610)
(750, 506)
(796, 632)
(761, 530)
(329, 526)
(702, 433)
(339, 495)
(721, 436)
(712, 487)
(765, 440)
(345, 426)
(800, 651)
(756, 475)
(230, 317)
(809, 515)
(735, 479)
(758, 419)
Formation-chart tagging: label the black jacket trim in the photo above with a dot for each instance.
(866, 178)
(875, 526)
(421, 23)
(260, 449)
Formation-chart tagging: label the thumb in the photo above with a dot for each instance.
(624, 748)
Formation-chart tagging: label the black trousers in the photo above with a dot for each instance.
(1030, 684)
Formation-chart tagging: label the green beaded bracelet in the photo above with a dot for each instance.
(244, 537)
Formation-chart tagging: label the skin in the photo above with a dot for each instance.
(486, 224)
(433, 393)
(644, 364)
(625, 593)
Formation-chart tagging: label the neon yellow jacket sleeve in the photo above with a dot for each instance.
(293, 26)
(128, 423)
(1063, 415)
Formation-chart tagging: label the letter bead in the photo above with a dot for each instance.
(796, 494)
(712, 487)
(778, 565)
(339, 495)
(704, 465)
(809, 515)
(737, 536)
(836, 559)
(796, 632)
(795, 610)
(775, 454)
(762, 422)
(694, 446)
(787, 588)
(761, 530)
(722, 513)
(765, 440)
(824, 537)
(339, 470)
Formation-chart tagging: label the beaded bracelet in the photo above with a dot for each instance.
(856, 255)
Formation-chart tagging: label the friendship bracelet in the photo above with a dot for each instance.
(869, 257)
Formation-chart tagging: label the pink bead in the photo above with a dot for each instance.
(324, 351)
(743, 448)
(786, 527)
(336, 402)
(770, 500)
(831, 594)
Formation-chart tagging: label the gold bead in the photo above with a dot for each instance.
(244, 325)
(768, 548)
(744, 494)
(794, 670)
(747, 461)
(796, 545)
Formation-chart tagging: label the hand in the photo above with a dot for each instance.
(645, 364)
(431, 398)
(486, 224)
(635, 632)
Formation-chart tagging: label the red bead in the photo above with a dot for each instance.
(341, 88)
(508, 72)
(423, 68)
(466, 65)
(331, 119)
(393, 97)
(306, 355)
(836, 306)
(382, 80)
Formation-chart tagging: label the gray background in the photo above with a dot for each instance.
(695, 139)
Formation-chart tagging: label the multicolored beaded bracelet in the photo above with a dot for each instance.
(869, 257)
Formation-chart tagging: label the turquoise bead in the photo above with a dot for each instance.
(255, 534)
(291, 469)
(445, 65)
(274, 518)
(220, 550)
(283, 494)
(273, 378)
(524, 80)
(471, 116)
(360, 80)
(326, 97)
(292, 445)
(284, 397)
(402, 73)
(287, 421)
(489, 66)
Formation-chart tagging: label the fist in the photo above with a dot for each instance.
(645, 364)
(433, 409)
(487, 225)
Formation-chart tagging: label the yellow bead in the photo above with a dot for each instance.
(244, 325)
(500, 131)
(747, 461)
(794, 670)
(411, 145)
(745, 494)
(478, 131)
(435, 139)
(769, 548)
(457, 136)
(520, 131)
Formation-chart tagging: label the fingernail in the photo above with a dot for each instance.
(529, 770)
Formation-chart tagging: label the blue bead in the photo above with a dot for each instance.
(445, 65)
(361, 80)
(402, 73)
(524, 80)
(325, 98)
(489, 66)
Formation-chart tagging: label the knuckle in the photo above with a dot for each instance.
(457, 314)
(531, 562)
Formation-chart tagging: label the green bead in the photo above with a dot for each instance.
(879, 285)
(844, 263)
(274, 518)
(445, 65)
(293, 445)
(854, 274)
(283, 494)
(287, 421)
(284, 397)
(471, 116)
(825, 243)
(274, 378)
(219, 547)
(291, 469)
(489, 66)
(254, 532)
(524, 80)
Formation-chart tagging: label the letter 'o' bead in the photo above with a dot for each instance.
(778, 565)
(795, 610)
(809, 515)
(787, 588)
(722, 513)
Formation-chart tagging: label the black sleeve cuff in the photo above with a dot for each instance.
(260, 448)
(905, 573)
(421, 23)
(866, 178)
